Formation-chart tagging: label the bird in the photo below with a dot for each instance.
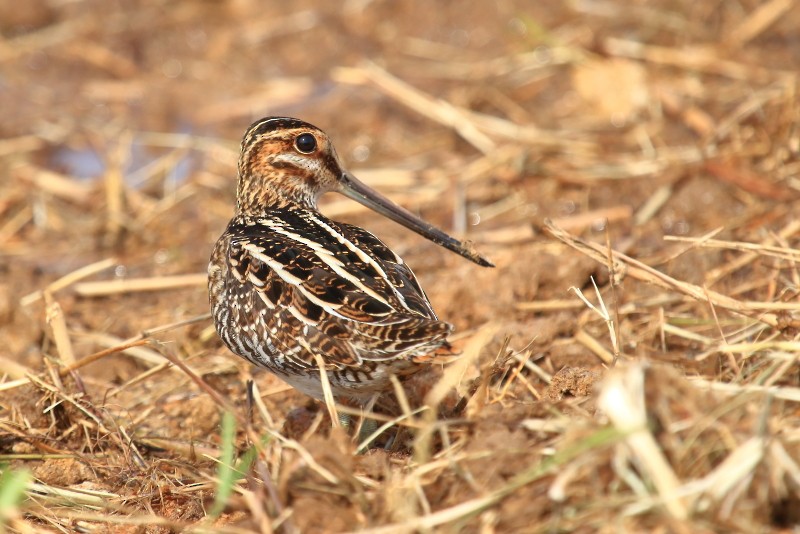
(299, 294)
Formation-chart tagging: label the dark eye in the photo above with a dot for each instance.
(306, 143)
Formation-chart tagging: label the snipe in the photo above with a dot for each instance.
(286, 283)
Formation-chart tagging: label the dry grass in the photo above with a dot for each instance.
(651, 148)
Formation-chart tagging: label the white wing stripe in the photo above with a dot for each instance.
(323, 255)
(289, 278)
(366, 258)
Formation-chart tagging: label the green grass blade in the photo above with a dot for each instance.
(12, 491)
(226, 473)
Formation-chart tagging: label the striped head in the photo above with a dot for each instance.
(285, 161)
(288, 163)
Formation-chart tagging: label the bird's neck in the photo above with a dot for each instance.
(254, 201)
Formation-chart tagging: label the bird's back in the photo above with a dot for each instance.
(292, 283)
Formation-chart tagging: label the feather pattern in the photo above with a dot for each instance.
(287, 284)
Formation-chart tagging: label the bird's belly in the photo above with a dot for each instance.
(356, 384)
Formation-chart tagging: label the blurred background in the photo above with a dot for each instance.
(621, 122)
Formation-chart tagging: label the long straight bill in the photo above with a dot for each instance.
(361, 193)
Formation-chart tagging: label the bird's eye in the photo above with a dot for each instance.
(306, 143)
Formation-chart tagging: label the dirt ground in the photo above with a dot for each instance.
(650, 147)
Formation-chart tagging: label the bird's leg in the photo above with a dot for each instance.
(365, 427)
(345, 420)
(365, 430)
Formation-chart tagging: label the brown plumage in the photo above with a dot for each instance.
(286, 283)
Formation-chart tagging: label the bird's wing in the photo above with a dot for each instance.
(316, 287)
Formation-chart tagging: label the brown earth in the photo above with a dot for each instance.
(650, 146)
